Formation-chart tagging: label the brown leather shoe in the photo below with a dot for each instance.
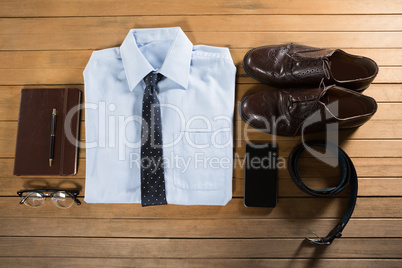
(293, 65)
(290, 112)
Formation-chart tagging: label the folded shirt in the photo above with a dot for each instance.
(197, 105)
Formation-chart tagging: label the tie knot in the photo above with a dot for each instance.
(153, 78)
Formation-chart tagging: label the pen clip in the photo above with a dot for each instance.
(54, 113)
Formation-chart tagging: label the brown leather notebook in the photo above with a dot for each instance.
(34, 130)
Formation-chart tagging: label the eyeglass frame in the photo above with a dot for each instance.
(72, 193)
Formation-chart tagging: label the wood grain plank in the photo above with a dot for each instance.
(373, 129)
(56, 59)
(385, 124)
(385, 75)
(197, 263)
(197, 228)
(287, 208)
(47, 43)
(380, 187)
(74, 76)
(10, 186)
(357, 145)
(380, 92)
(73, 41)
(368, 187)
(382, 56)
(44, 8)
(354, 148)
(41, 76)
(385, 111)
(390, 93)
(366, 167)
(205, 23)
(196, 248)
(70, 59)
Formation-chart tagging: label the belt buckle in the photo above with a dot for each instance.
(336, 232)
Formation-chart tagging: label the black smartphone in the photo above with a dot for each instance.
(260, 175)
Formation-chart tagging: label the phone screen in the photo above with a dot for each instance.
(260, 176)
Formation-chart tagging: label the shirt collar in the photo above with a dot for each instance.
(176, 65)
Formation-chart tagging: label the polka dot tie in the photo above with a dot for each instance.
(152, 170)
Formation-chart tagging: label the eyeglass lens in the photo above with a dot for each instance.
(34, 199)
(60, 199)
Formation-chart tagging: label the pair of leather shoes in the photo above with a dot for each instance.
(304, 104)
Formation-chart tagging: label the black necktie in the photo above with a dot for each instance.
(152, 170)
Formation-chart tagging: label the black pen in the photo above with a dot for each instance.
(51, 153)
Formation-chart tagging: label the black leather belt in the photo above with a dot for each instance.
(348, 176)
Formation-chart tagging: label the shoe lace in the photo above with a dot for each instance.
(307, 61)
(323, 91)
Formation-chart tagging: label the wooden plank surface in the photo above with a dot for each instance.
(196, 228)
(287, 208)
(196, 248)
(94, 41)
(389, 75)
(355, 148)
(383, 93)
(47, 43)
(286, 188)
(45, 8)
(365, 166)
(203, 23)
(67, 59)
(193, 262)
(381, 129)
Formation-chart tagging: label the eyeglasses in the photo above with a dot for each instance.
(61, 198)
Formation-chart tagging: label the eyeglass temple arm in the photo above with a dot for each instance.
(78, 202)
(74, 196)
(25, 198)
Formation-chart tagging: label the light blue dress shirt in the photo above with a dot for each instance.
(197, 105)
